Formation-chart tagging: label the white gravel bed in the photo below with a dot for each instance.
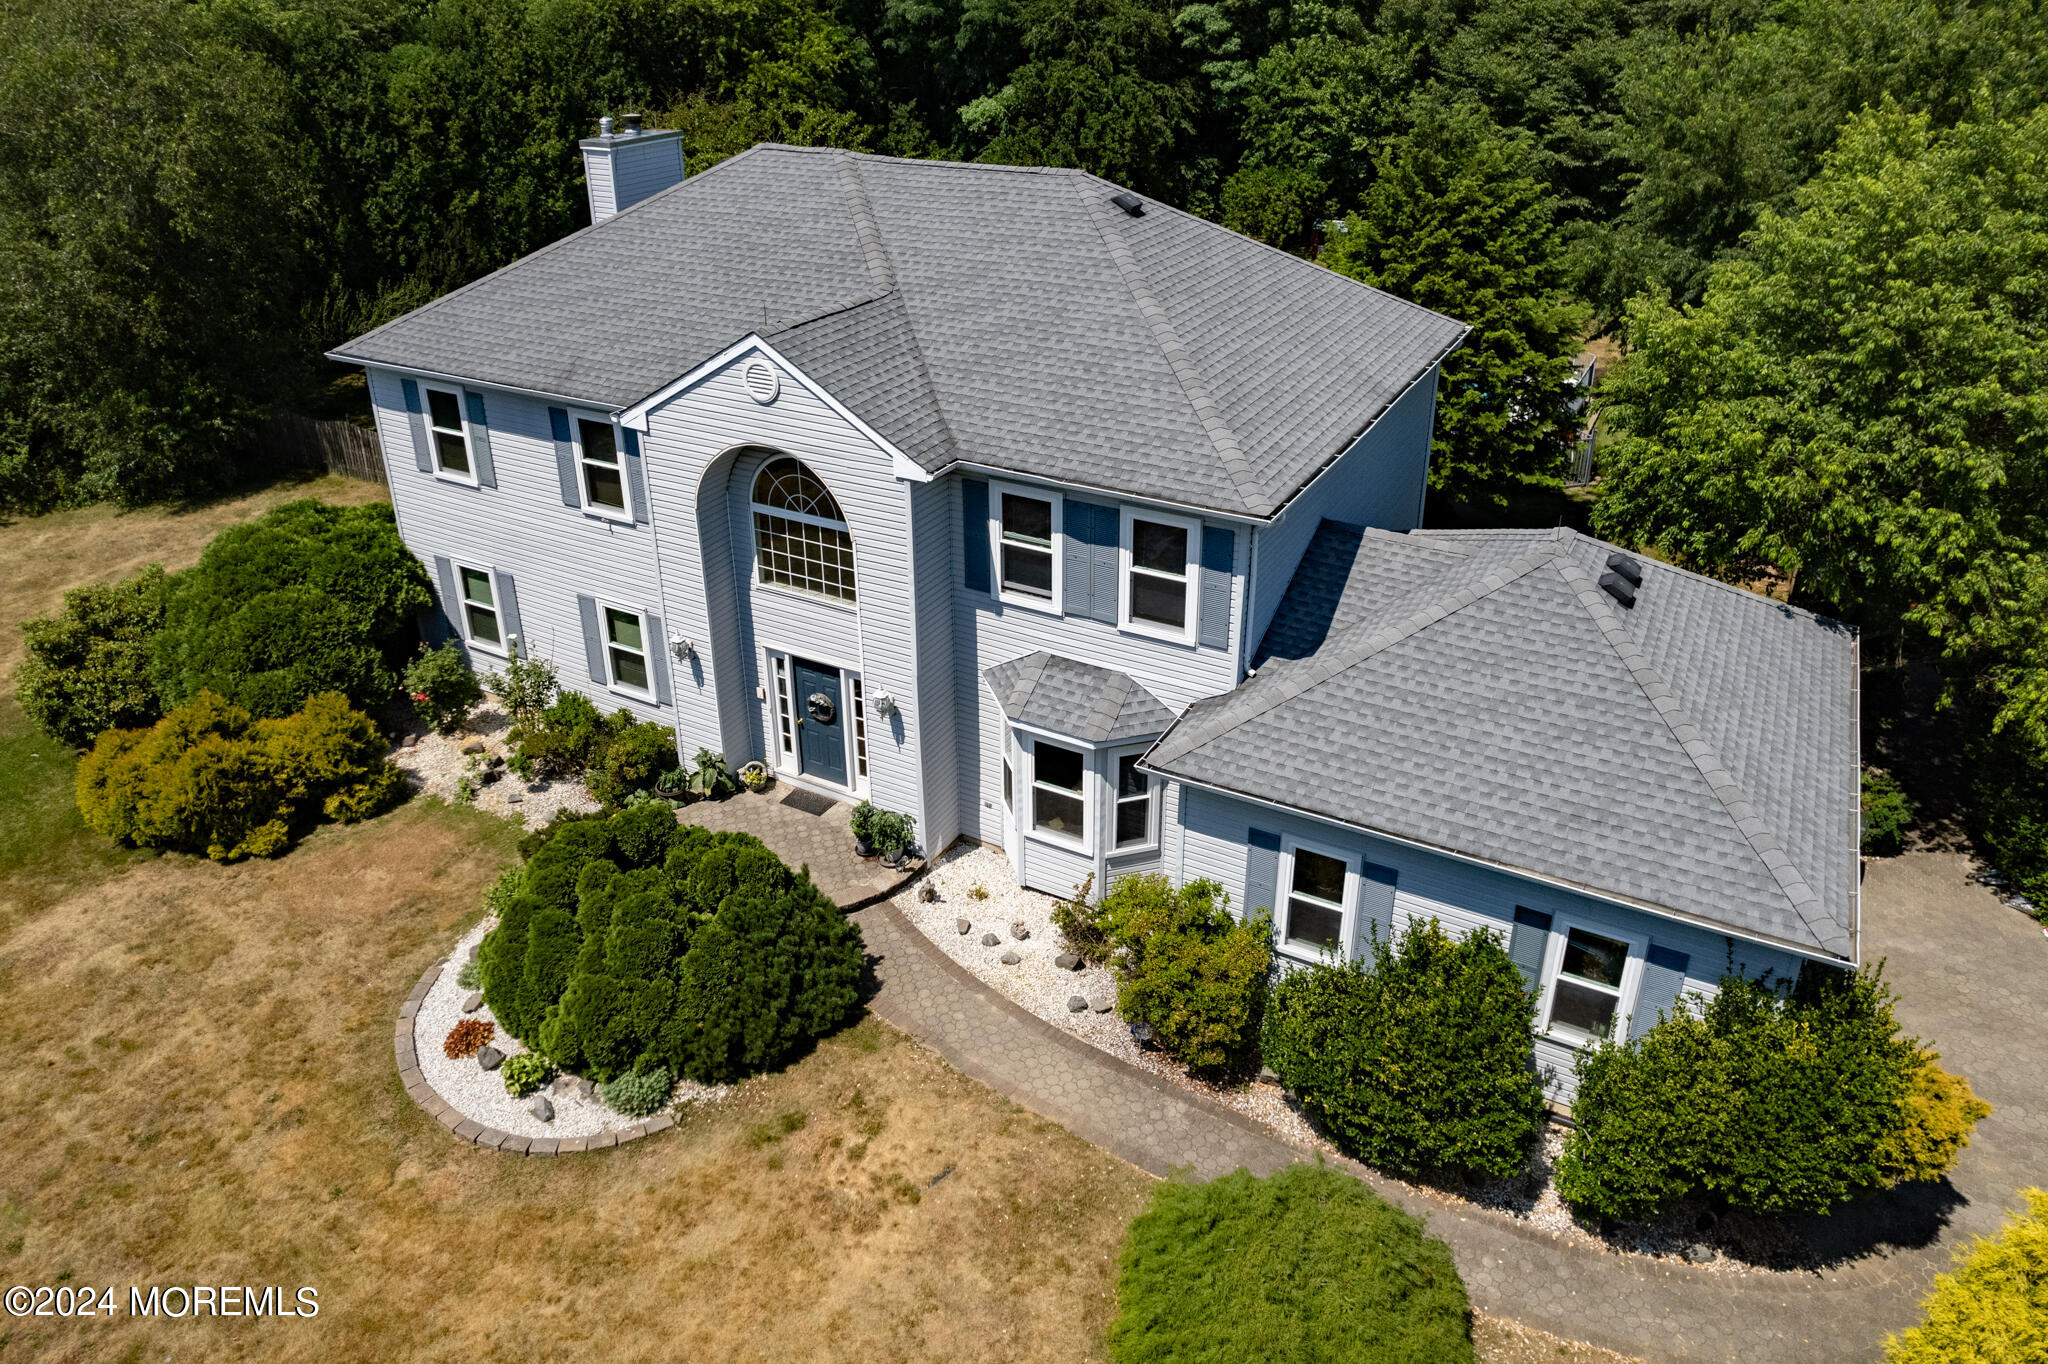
(435, 763)
(480, 1095)
(1043, 989)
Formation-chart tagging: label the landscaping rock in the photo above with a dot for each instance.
(474, 1002)
(586, 1089)
(491, 774)
(412, 741)
(964, 926)
(1067, 961)
(474, 948)
(490, 1058)
(928, 893)
(1699, 1253)
(494, 762)
(1076, 1004)
(1011, 958)
(1102, 1003)
(1020, 930)
(541, 1108)
(990, 940)
(513, 798)
(563, 1084)
(469, 750)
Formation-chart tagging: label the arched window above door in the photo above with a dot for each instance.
(800, 535)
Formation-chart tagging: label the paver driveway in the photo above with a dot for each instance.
(1972, 975)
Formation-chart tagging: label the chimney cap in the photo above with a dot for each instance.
(632, 122)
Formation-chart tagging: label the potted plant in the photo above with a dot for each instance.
(713, 778)
(894, 834)
(863, 821)
(755, 776)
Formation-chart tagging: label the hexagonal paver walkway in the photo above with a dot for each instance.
(1970, 973)
(821, 841)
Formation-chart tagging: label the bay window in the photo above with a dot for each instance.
(1058, 799)
(1133, 803)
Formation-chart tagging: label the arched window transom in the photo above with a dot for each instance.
(800, 536)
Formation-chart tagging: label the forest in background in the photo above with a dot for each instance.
(1819, 227)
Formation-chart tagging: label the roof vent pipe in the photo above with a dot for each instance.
(1626, 567)
(1619, 588)
(604, 126)
(1129, 203)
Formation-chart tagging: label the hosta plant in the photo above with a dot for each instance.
(525, 1073)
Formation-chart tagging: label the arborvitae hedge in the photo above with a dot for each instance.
(628, 943)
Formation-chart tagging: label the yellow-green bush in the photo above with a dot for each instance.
(1994, 1308)
(1940, 1108)
(211, 778)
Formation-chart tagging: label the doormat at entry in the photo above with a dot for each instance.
(810, 802)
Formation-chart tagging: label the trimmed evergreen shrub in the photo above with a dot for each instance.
(444, 691)
(1307, 1264)
(1422, 1059)
(1993, 1308)
(632, 760)
(211, 778)
(307, 599)
(88, 666)
(1887, 814)
(1188, 967)
(629, 943)
(1767, 1102)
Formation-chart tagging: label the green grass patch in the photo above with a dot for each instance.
(46, 852)
(1307, 1265)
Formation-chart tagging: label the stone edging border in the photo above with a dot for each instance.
(474, 1132)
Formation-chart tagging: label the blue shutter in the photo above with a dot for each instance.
(450, 626)
(508, 611)
(636, 478)
(416, 418)
(974, 533)
(480, 440)
(1528, 942)
(1261, 870)
(657, 658)
(1375, 906)
(1663, 982)
(1219, 555)
(1102, 548)
(1077, 591)
(565, 456)
(593, 640)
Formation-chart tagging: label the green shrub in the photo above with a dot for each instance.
(1422, 1059)
(525, 1073)
(629, 942)
(1770, 1102)
(444, 691)
(893, 832)
(632, 761)
(211, 778)
(309, 598)
(712, 778)
(566, 739)
(1307, 1264)
(862, 821)
(638, 1093)
(534, 840)
(88, 667)
(1189, 968)
(1887, 814)
(467, 977)
(1993, 1309)
(527, 687)
(1082, 924)
(1941, 1110)
(2008, 809)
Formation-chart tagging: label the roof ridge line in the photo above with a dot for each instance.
(1242, 476)
(865, 229)
(1315, 670)
(1769, 850)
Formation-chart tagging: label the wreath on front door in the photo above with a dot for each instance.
(820, 708)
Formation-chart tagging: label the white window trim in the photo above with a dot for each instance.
(1283, 891)
(1059, 549)
(1028, 816)
(619, 515)
(1153, 789)
(1191, 622)
(462, 609)
(648, 645)
(468, 480)
(1561, 926)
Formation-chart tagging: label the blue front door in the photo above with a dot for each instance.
(820, 721)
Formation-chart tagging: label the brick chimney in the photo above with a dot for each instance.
(621, 168)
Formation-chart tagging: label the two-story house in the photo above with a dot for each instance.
(1069, 522)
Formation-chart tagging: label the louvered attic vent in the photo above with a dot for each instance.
(1619, 588)
(1129, 203)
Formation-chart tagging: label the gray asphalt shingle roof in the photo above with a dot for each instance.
(1064, 696)
(1002, 316)
(1478, 692)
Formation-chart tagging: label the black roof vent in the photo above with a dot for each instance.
(1619, 588)
(1626, 567)
(1129, 203)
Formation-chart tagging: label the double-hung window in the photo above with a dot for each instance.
(625, 650)
(480, 609)
(604, 482)
(1159, 580)
(1026, 527)
(1133, 803)
(1316, 895)
(1058, 790)
(1585, 998)
(450, 438)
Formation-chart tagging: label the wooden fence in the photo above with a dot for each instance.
(337, 447)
